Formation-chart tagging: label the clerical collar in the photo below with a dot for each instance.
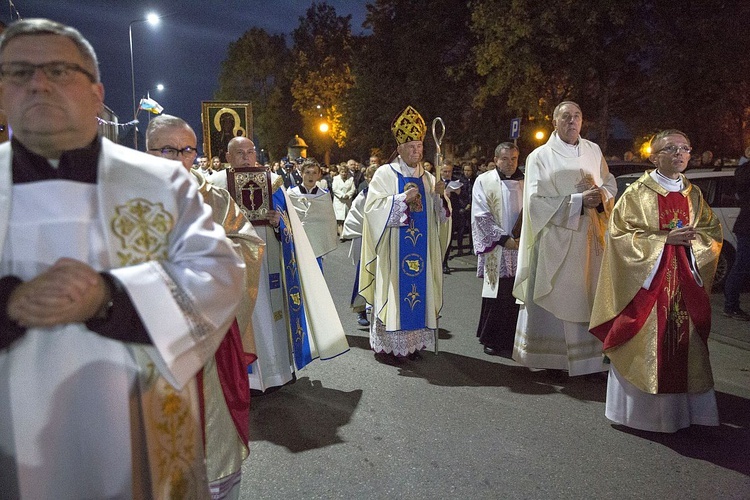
(516, 176)
(671, 185)
(78, 165)
(572, 149)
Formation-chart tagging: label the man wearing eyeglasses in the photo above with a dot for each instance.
(116, 288)
(652, 309)
(225, 394)
(568, 196)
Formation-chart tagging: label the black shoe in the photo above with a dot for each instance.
(363, 321)
(388, 358)
(738, 314)
(557, 375)
(446, 270)
(414, 356)
(491, 351)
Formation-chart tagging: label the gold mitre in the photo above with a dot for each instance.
(408, 126)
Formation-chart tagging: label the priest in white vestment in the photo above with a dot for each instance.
(404, 236)
(116, 288)
(568, 196)
(294, 319)
(497, 198)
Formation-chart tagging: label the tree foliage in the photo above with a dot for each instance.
(257, 69)
(651, 64)
(322, 76)
(541, 53)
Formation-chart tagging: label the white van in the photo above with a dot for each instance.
(718, 190)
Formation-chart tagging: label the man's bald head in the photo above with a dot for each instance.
(241, 152)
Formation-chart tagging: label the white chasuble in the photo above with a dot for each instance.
(379, 278)
(560, 254)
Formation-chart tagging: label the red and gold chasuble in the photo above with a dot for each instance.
(679, 301)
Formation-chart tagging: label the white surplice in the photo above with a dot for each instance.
(72, 421)
(496, 205)
(315, 212)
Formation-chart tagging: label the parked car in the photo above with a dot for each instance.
(618, 168)
(717, 186)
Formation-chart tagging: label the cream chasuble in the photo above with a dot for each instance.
(559, 256)
(379, 271)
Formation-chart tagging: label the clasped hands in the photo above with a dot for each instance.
(681, 236)
(592, 197)
(274, 217)
(70, 291)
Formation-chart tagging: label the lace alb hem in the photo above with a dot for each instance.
(400, 342)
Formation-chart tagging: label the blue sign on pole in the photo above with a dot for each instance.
(515, 128)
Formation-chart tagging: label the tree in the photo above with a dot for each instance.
(416, 55)
(322, 54)
(541, 53)
(700, 73)
(257, 69)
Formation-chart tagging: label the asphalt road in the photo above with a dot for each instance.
(466, 425)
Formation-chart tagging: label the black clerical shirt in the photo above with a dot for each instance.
(79, 165)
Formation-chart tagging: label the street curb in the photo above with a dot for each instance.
(731, 341)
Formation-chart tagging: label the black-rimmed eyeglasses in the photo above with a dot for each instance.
(20, 73)
(173, 153)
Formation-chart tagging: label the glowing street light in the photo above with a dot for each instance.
(539, 135)
(323, 127)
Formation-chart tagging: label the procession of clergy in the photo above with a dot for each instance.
(118, 338)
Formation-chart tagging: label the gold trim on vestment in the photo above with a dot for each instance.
(142, 228)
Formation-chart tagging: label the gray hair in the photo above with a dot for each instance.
(39, 26)
(504, 145)
(556, 112)
(163, 122)
(664, 133)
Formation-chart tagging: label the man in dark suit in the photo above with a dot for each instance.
(739, 273)
(290, 174)
(463, 210)
(446, 175)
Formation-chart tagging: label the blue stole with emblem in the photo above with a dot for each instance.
(412, 282)
(292, 288)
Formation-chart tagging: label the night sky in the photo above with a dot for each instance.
(184, 52)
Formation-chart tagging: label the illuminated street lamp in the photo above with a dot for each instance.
(539, 135)
(153, 19)
(159, 87)
(324, 128)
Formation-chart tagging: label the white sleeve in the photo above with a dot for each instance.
(187, 301)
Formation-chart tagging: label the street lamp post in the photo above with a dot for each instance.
(152, 19)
